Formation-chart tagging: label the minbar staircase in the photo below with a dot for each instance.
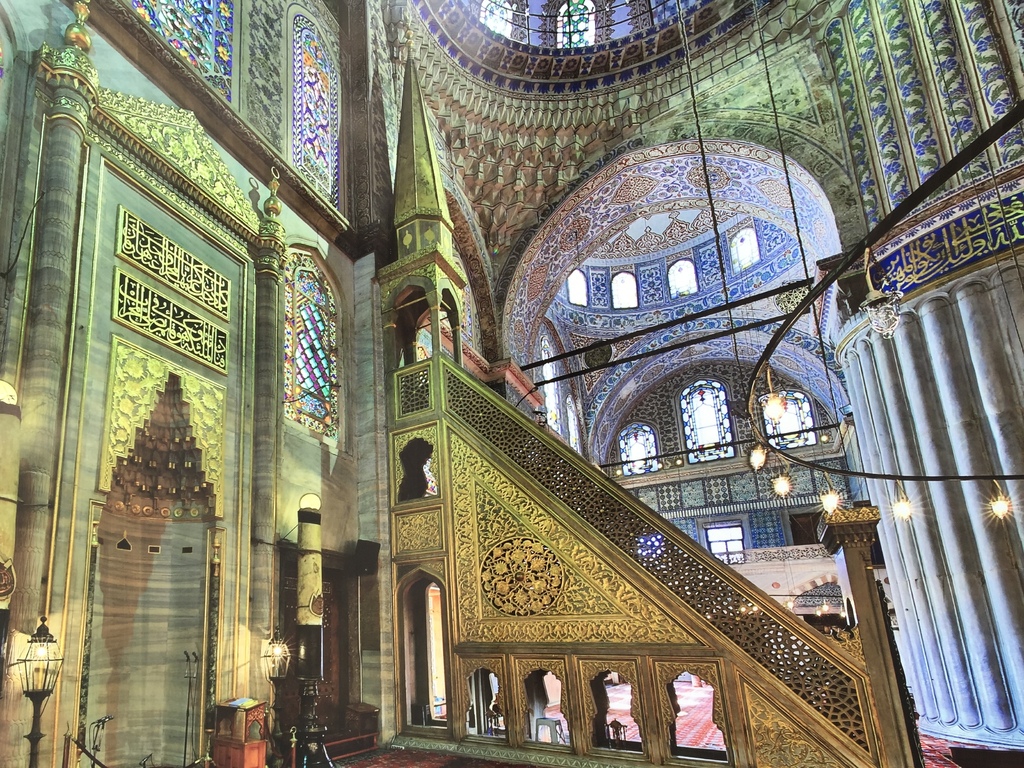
(791, 697)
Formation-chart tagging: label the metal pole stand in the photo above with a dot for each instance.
(37, 698)
(312, 752)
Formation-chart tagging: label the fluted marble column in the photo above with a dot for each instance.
(70, 83)
(946, 397)
(265, 433)
(902, 574)
(943, 653)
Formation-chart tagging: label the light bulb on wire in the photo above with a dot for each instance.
(782, 485)
(1000, 505)
(901, 508)
(830, 500)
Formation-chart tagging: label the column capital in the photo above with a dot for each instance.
(853, 527)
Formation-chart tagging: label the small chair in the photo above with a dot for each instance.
(553, 727)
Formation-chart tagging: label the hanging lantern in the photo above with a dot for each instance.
(774, 406)
(758, 456)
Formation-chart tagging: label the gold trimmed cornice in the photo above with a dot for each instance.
(173, 141)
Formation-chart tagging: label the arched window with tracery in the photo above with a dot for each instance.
(552, 393)
(468, 317)
(497, 16)
(576, 287)
(682, 279)
(200, 30)
(638, 445)
(314, 109)
(744, 250)
(624, 294)
(310, 346)
(572, 424)
(706, 425)
(795, 428)
(576, 24)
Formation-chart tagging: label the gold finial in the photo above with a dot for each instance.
(272, 205)
(76, 34)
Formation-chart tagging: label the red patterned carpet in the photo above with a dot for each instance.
(936, 755)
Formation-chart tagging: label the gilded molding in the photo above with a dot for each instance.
(418, 532)
(665, 673)
(402, 439)
(851, 515)
(594, 604)
(128, 167)
(136, 377)
(848, 641)
(178, 143)
(779, 742)
(72, 67)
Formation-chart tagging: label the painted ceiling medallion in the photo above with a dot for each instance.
(719, 177)
(634, 188)
(521, 577)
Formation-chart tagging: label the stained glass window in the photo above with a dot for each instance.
(572, 423)
(310, 347)
(744, 250)
(637, 445)
(624, 291)
(576, 24)
(497, 16)
(798, 417)
(576, 287)
(314, 109)
(682, 279)
(552, 394)
(201, 30)
(468, 316)
(706, 424)
(424, 345)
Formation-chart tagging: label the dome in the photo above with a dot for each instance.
(557, 46)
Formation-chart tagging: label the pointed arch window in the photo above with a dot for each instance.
(576, 24)
(576, 286)
(638, 445)
(314, 109)
(552, 394)
(200, 30)
(310, 346)
(706, 424)
(682, 279)
(797, 418)
(624, 294)
(497, 16)
(744, 249)
(572, 423)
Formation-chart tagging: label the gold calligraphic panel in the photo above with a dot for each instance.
(136, 378)
(157, 254)
(149, 312)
